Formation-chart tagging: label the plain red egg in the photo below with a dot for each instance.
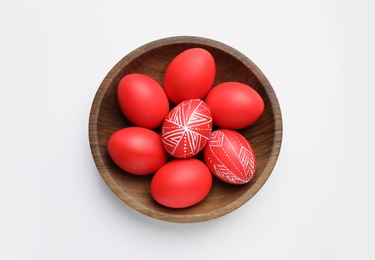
(230, 157)
(190, 75)
(142, 100)
(187, 128)
(137, 150)
(234, 105)
(181, 183)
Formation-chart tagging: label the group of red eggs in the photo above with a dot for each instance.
(180, 178)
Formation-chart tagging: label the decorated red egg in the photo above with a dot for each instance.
(230, 157)
(187, 128)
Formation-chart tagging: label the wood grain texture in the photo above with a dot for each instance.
(152, 59)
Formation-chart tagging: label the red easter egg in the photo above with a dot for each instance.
(187, 128)
(190, 74)
(234, 105)
(230, 157)
(137, 150)
(142, 100)
(181, 183)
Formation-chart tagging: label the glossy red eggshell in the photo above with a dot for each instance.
(230, 157)
(137, 150)
(142, 100)
(190, 75)
(181, 183)
(234, 105)
(187, 128)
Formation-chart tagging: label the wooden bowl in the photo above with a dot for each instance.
(152, 59)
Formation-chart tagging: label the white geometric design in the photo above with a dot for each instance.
(227, 158)
(247, 161)
(187, 128)
(217, 139)
(224, 173)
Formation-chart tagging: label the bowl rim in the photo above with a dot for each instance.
(105, 173)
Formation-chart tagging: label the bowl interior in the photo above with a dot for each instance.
(152, 59)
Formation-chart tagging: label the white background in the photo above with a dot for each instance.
(317, 204)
